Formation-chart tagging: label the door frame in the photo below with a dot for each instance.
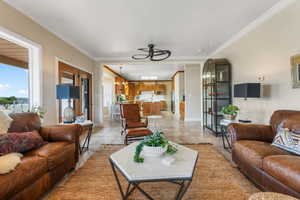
(91, 89)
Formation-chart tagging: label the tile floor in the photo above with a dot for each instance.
(174, 130)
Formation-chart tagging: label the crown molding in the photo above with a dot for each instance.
(281, 5)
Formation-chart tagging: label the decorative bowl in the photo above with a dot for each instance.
(154, 151)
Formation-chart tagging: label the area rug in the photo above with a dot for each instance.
(215, 179)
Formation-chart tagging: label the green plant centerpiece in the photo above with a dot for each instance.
(230, 112)
(154, 142)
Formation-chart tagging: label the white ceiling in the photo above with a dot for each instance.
(135, 71)
(114, 29)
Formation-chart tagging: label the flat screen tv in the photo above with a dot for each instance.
(247, 90)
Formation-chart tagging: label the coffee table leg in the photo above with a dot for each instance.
(142, 191)
(183, 188)
(117, 179)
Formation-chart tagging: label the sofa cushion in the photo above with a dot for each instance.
(55, 153)
(138, 132)
(253, 152)
(20, 142)
(132, 124)
(285, 168)
(29, 170)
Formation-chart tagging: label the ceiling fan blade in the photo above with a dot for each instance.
(161, 55)
(144, 50)
(140, 56)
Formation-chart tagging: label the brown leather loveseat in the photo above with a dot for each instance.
(41, 168)
(269, 167)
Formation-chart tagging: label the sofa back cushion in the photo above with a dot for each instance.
(20, 142)
(283, 115)
(24, 122)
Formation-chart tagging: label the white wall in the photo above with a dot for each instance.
(193, 103)
(52, 47)
(266, 51)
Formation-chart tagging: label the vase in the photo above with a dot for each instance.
(154, 151)
(229, 117)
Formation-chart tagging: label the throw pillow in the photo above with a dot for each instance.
(9, 162)
(287, 140)
(20, 142)
(5, 122)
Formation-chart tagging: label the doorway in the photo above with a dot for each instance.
(70, 75)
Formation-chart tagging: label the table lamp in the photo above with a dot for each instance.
(68, 91)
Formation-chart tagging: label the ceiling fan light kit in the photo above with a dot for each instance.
(152, 53)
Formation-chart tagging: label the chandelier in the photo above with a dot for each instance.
(152, 53)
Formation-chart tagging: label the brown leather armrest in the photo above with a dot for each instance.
(239, 131)
(68, 133)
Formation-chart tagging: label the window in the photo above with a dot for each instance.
(14, 77)
(14, 95)
(21, 67)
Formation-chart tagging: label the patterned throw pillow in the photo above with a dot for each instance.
(5, 122)
(20, 142)
(287, 140)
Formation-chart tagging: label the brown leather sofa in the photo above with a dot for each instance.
(41, 168)
(270, 168)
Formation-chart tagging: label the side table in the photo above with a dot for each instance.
(224, 123)
(86, 126)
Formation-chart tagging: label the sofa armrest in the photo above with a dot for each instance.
(239, 131)
(68, 133)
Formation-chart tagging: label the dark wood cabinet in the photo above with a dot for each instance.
(216, 80)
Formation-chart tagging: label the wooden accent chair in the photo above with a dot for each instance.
(130, 116)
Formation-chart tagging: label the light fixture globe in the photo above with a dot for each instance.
(153, 54)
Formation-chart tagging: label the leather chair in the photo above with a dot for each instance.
(135, 134)
(40, 168)
(130, 116)
(270, 168)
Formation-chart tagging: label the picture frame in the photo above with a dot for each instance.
(295, 62)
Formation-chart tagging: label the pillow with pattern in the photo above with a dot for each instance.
(20, 142)
(287, 140)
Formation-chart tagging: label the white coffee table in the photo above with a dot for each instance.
(154, 170)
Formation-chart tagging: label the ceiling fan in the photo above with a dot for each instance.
(152, 53)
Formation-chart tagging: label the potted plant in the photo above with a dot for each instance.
(230, 112)
(154, 145)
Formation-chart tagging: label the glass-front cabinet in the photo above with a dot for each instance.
(216, 80)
